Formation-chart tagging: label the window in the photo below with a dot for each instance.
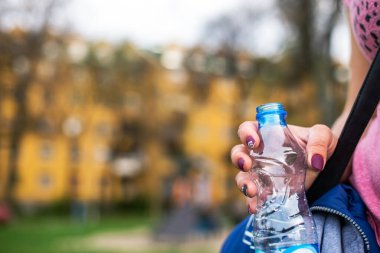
(45, 180)
(46, 150)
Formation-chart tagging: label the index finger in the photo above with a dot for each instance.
(248, 134)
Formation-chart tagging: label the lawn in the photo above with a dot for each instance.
(122, 233)
(49, 234)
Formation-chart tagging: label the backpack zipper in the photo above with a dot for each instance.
(347, 218)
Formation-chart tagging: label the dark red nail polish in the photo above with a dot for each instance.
(241, 163)
(250, 142)
(317, 162)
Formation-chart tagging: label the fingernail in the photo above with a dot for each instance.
(241, 163)
(244, 190)
(317, 162)
(250, 142)
(249, 210)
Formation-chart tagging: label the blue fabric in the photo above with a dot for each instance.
(345, 199)
(342, 198)
(235, 240)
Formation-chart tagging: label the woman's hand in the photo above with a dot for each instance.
(318, 141)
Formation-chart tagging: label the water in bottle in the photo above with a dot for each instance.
(283, 221)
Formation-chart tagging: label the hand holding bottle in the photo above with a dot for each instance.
(274, 162)
(318, 141)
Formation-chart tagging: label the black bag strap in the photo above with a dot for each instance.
(361, 112)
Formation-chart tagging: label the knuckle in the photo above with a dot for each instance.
(322, 128)
(237, 178)
(244, 128)
(244, 124)
(235, 149)
(318, 143)
(240, 178)
(321, 136)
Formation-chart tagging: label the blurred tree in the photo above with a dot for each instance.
(312, 24)
(230, 34)
(299, 16)
(306, 52)
(199, 78)
(21, 52)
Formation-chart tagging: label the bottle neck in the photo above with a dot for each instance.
(272, 114)
(271, 120)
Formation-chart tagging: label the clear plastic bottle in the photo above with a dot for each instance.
(283, 221)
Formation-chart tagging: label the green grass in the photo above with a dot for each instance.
(62, 235)
(47, 235)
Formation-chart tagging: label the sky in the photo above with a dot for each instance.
(152, 23)
(149, 23)
(146, 21)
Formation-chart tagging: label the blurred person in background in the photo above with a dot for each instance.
(319, 140)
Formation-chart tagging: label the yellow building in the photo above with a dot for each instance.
(72, 160)
(43, 169)
(67, 152)
(209, 135)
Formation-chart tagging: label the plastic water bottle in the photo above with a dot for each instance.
(283, 222)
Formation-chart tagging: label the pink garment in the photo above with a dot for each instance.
(365, 22)
(366, 172)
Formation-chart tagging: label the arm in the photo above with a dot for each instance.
(358, 66)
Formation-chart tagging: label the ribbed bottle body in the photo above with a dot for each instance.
(283, 222)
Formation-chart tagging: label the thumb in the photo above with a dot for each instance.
(319, 145)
